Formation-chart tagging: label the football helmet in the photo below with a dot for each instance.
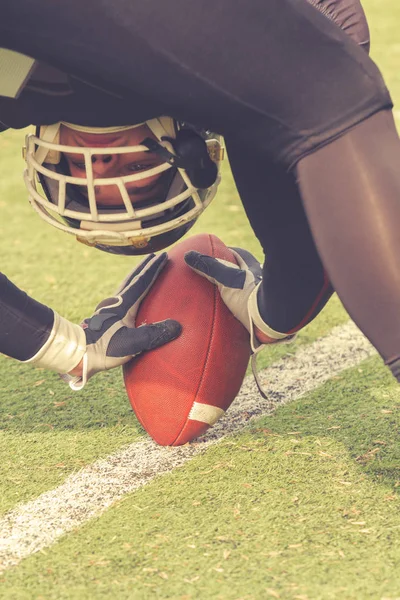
(187, 170)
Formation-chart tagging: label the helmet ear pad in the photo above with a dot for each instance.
(192, 151)
(191, 154)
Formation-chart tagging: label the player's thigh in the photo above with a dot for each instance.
(276, 74)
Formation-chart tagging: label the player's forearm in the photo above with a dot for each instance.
(262, 331)
(25, 324)
(32, 332)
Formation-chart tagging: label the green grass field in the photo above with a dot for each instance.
(303, 504)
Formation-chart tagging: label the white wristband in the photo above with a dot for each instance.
(76, 382)
(257, 320)
(64, 349)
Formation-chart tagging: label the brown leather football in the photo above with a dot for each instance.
(182, 388)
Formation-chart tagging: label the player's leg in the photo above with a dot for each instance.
(266, 73)
(351, 192)
(295, 285)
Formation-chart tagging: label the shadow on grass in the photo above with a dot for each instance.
(34, 400)
(360, 409)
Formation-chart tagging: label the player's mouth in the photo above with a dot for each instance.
(99, 140)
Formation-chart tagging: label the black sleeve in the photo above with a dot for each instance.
(25, 324)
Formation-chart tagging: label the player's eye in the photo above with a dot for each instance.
(79, 165)
(137, 167)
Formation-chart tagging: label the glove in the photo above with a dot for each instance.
(111, 336)
(238, 286)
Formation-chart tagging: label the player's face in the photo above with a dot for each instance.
(115, 165)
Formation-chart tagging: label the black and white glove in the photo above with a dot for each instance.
(111, 336)
(238, 286)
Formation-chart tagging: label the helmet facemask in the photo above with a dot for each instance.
(171, 206)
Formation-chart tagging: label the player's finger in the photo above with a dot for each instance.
(129, 342)
(143, 281)
(216, 270)
(134, 273)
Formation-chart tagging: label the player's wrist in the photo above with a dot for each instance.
(262, 337)
(78, 370)
(261, 333)
(64, 348)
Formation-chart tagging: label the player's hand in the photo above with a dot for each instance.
(236, 283)
(238, 286)
(111, 336)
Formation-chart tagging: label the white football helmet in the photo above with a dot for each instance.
(188, 170)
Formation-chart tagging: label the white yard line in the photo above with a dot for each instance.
(37, 524)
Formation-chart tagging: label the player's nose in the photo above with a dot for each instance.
(104, 165)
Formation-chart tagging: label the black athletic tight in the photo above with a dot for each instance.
(351, 192)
